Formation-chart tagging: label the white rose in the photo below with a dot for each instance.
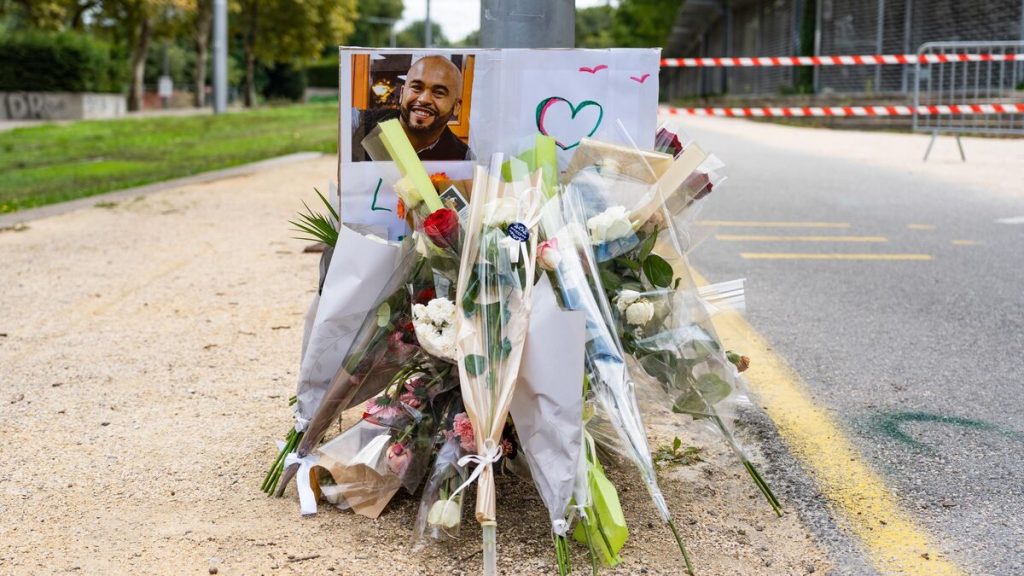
(444, 513)
(625, 298)
(422, 246)
(640, 312)
(407, 191)
(500, 211)
(609, 225)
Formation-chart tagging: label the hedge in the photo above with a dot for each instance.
(323, 74)
(59, 62)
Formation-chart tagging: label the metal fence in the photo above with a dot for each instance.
(984, 82)
(784, 28)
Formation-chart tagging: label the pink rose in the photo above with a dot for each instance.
(548, 256)
(399, 458)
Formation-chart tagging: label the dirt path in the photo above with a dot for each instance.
(147, 350)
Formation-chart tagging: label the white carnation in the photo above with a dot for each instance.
(435, 327)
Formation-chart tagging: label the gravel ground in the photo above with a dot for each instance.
(148, 348)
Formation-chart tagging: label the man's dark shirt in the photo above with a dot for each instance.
(447, 147)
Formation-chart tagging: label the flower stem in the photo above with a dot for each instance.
(748, 465)
(682, 548)
(590, 545)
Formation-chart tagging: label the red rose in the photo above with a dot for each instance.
(425, 296)
(442, 227)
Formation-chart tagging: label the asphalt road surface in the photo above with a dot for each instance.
(910, 330)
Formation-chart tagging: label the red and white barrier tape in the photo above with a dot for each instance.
(856, 60)
(801, 111)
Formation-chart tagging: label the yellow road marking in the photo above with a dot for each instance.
(812, 256)
(920, 227)
(893, 542)
(966, 243)
(770, 238)
(760, 224)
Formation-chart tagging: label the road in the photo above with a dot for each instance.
(908, 330)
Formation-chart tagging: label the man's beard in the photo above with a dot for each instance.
(439, 119)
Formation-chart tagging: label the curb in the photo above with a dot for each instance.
(22, 216)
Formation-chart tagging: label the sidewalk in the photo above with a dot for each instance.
(149, 348)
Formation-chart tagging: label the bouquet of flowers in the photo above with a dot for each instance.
(494, 296)
(437, 350)
(634, 219)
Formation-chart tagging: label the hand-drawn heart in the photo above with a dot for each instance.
(595, 69)
(640, 79)
(569, 129)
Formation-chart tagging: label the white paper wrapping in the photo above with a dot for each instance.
(359, 271)
(547, 406)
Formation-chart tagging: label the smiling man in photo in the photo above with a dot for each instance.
(430, 96)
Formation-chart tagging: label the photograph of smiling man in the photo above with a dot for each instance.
(431, 95)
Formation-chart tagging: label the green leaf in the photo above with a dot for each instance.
(610, 281)
(676, 443)
(383, 315)
(658, 271)
(469, 298)
(627, 262)
(647, 246)
(475, 364)
(708, 390)
(506, 347)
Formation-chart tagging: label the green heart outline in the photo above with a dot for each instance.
(546, 102)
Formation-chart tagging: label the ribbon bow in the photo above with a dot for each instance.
(492, 453)
(307, 499)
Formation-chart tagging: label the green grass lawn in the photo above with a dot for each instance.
(53, 163)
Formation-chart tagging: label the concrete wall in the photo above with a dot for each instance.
(60, 106)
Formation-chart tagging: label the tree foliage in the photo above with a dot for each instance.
(633, 23)
(644, 23)
(369, 28)
(594, 27)
(414, 35)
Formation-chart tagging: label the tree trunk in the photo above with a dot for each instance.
(204, 21)
(250, 55)
(139, 50)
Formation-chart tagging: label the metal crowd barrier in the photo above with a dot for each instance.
(946, 74)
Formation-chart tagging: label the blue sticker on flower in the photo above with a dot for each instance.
(518, 231)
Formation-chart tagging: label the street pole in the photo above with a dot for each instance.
(428, 31)
(527, 24)
(220, 56)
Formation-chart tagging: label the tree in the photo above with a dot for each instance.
(287, 30)
(49, 15)
(370, 30)
(134, 24)
(472, 40)
(644, 23)
(202, 22)
(594, 27)
(413, 35)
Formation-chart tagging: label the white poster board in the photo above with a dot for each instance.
(483, 102)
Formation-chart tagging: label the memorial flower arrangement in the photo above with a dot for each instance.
(462, 361)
